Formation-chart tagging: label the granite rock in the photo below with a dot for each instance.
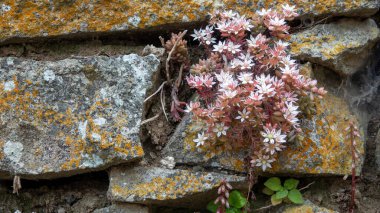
(123, 208)
(308, 207)
(35, 19)
(156, 185)
(59, 118)
(343, 46)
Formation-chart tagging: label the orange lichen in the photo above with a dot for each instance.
(177, 185)
(324, 149)
(307, 41)
(44, 18)
(22, 102)
(306, 209)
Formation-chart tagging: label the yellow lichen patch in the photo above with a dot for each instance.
(23, 102)
(303, 42)
(51, 18)
(307, 209)
(323, 148)
(177, 185)
(233, 162)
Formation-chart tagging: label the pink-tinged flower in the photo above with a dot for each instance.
(201, 139)
(269, 135)
(220, 129)
(243, 115)
(278, 84)
(282, 45)
(289, 12)
(265, 89)
(257, 41)
(229, 14)
(255, 96)
(198, 35)
(209, 39)
(220, 47)
(204, 35)
(280, 137)
(245, 78)
(288, 70)
(207, 80)
(229, 84)
(277, 22)
(246, 61)
(228, 94)
(233, 48)
(235, 63)
(244, 23)
(195, 81)
(263, 79)
(192, 106)
(272, 148)
(264, 12)
(208, 30)
(292, 108)
(289, 97)
(288, 8)
(288, 61)
(272, 136)
(224, 77)
(263, 161)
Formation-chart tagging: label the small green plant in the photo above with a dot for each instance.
(236, 202)
(279, 193)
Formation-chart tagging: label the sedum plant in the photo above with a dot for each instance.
(248, 86)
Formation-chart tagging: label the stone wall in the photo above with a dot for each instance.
(74, 77)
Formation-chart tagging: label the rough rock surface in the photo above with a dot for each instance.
(377, 152)
(123, 208)
(343, 46)
(71, 116)
(308, 207)
(26, 19)
(155, 185)
(322, 148)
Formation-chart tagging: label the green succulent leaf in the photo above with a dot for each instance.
(295, 196)
(233, 210)
(268, 191)
(212, 207)
(273, 183)
(281, 194)
(291, 184)
(236, 199)
(274, 200)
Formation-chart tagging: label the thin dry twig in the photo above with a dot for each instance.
(307, 186)
(163, 104)
(150, 119)
(157, 91)
(179, 79)
(264, 207)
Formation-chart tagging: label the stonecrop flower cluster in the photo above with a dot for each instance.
(248, 86)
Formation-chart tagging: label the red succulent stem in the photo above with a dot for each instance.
(353, 171)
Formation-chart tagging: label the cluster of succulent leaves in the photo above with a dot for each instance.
(287, 192)
(236, 201)
(249, 88)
